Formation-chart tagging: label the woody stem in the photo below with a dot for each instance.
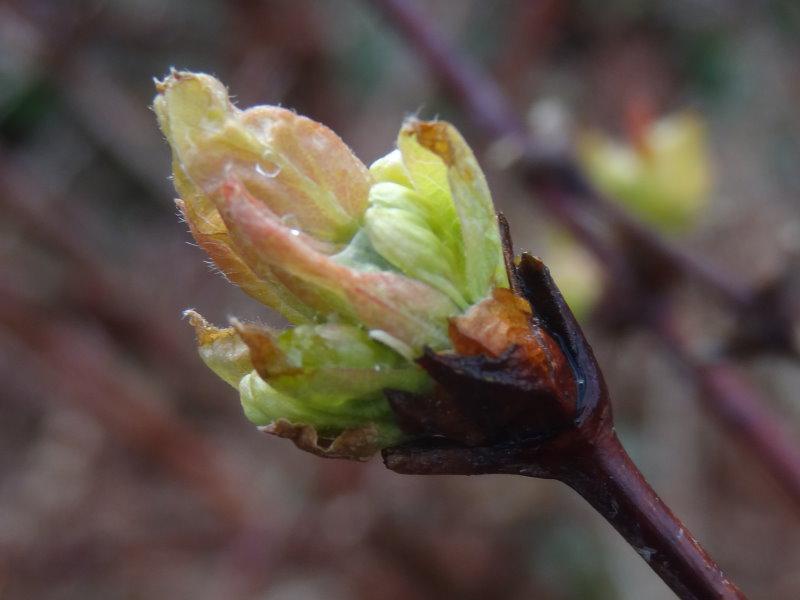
(603, 473)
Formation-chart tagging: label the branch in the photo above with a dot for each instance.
(604, 475)
(738, 406)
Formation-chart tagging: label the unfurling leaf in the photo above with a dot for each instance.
(375, 267)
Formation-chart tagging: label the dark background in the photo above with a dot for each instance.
(127, 469)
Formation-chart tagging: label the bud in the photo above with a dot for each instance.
(369, 264)
(664, 176)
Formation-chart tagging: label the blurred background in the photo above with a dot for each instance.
(127, 469)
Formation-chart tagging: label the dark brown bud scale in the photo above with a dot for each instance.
(508, 380)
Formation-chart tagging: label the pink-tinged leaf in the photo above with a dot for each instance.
(405, 309)
(266, 289)
(307, 174)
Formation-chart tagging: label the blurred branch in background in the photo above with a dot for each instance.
(737, 404)
(126, 404)
(641, 264)
(94, 285)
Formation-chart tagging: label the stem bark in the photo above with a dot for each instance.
(608, 479)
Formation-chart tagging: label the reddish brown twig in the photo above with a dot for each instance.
(613, 485)
(603, 473)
